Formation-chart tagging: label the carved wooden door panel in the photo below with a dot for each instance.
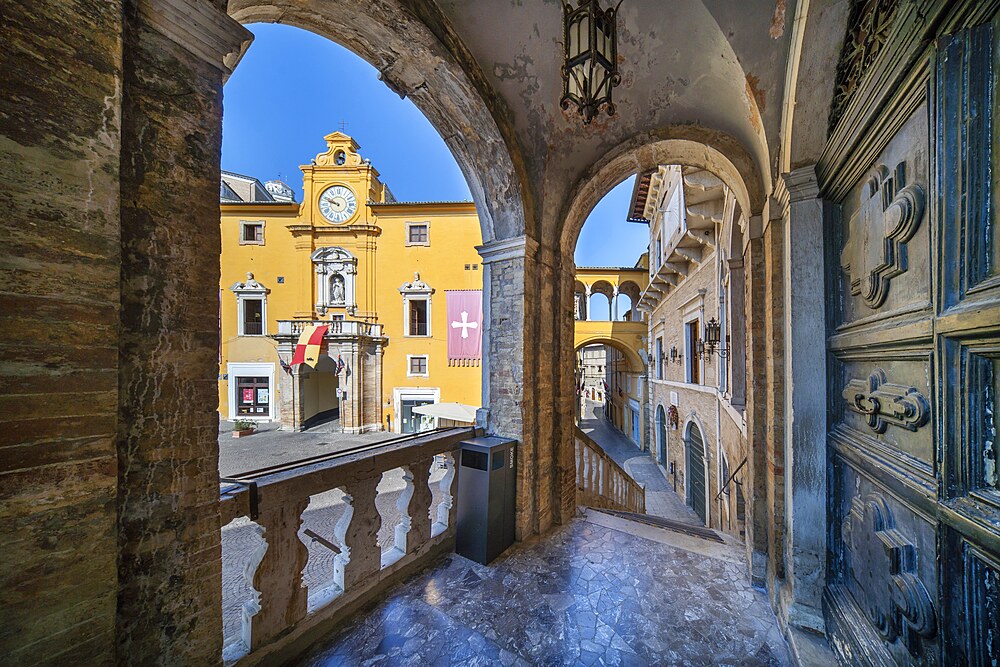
(914, 343)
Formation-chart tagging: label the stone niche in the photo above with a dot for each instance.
(335, 272)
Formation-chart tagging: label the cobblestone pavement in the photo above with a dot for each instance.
(661, 499)
(241, 538)
(585, 594)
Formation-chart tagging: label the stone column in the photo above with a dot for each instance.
(176, 54)
(805, 402)
(290, 406)
(586, 298)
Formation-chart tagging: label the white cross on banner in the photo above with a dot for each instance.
(465, 324)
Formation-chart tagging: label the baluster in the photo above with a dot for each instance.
(444, 518)
(414, 503)
(357, 533)
(579, 463)
(283, 598)
(605, 475)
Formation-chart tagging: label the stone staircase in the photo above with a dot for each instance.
(666, 524)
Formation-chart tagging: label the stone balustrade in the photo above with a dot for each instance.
(286, 616)
(601, 482)
(346, 328)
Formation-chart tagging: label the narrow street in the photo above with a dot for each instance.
(661, 500)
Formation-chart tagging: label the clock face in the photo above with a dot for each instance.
(338, 204)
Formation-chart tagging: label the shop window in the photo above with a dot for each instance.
(253, 395)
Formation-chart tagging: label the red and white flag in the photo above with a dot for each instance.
(465, 324)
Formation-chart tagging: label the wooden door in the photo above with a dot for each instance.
(914, 343)
(696, 470)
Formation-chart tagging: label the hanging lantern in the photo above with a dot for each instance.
(590, 58)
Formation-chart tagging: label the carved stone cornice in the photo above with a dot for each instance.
(199, 27)
(504, 249)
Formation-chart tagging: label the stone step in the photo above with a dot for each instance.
(666, 524)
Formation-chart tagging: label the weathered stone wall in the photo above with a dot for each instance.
(774, 323)
(169, 570)
(60, 73)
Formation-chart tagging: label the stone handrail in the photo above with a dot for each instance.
(337, 327)
(285, 614)
(601, 482)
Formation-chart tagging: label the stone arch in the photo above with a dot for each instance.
(444, 82)
(581, 304)
(811, 69)
(602, 288)
(630, 289)
(636, 363)
(690, 145)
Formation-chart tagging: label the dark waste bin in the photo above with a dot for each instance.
(486, 481)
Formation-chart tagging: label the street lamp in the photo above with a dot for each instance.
(590, 58)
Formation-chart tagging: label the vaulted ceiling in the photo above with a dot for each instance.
(487, 75)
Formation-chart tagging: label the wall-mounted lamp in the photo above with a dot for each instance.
(713, 336)
(675, 356)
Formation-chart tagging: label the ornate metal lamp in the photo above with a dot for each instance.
(713, 335)
(590, 57)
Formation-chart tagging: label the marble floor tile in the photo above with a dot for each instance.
(586, 594)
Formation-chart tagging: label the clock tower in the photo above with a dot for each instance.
(338, 186)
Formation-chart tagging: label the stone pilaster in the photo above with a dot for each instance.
(508, 266)
(169, 566)
(805, 402)
(60, 261)
(756, 393)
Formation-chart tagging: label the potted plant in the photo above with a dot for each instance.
(242, 427)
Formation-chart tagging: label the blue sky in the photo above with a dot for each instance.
(277, 110)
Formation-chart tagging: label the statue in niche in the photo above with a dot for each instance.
(577, 309)
(337, 288)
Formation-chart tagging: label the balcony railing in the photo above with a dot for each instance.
(337, 327)
(601, 482)
(285, 611)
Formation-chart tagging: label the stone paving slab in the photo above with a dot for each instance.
(585, 594)
(269, 446)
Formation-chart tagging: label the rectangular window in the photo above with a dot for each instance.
(691, 344)
(251, 233)
(252, 396)
(418, 366)
(253, 317)
(659, 358)
(417, 233)
(418, 317)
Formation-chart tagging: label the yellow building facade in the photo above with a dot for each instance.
(377, 272)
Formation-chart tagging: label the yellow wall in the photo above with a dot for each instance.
(453, 234)
(376, 236)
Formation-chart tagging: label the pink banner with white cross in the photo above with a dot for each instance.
(465, 325)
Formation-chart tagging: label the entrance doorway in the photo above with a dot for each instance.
(696, 470)
(661, 435)
(409, 421)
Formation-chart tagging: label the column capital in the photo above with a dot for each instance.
(504, 249)
(201, 28)
(797, 185)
